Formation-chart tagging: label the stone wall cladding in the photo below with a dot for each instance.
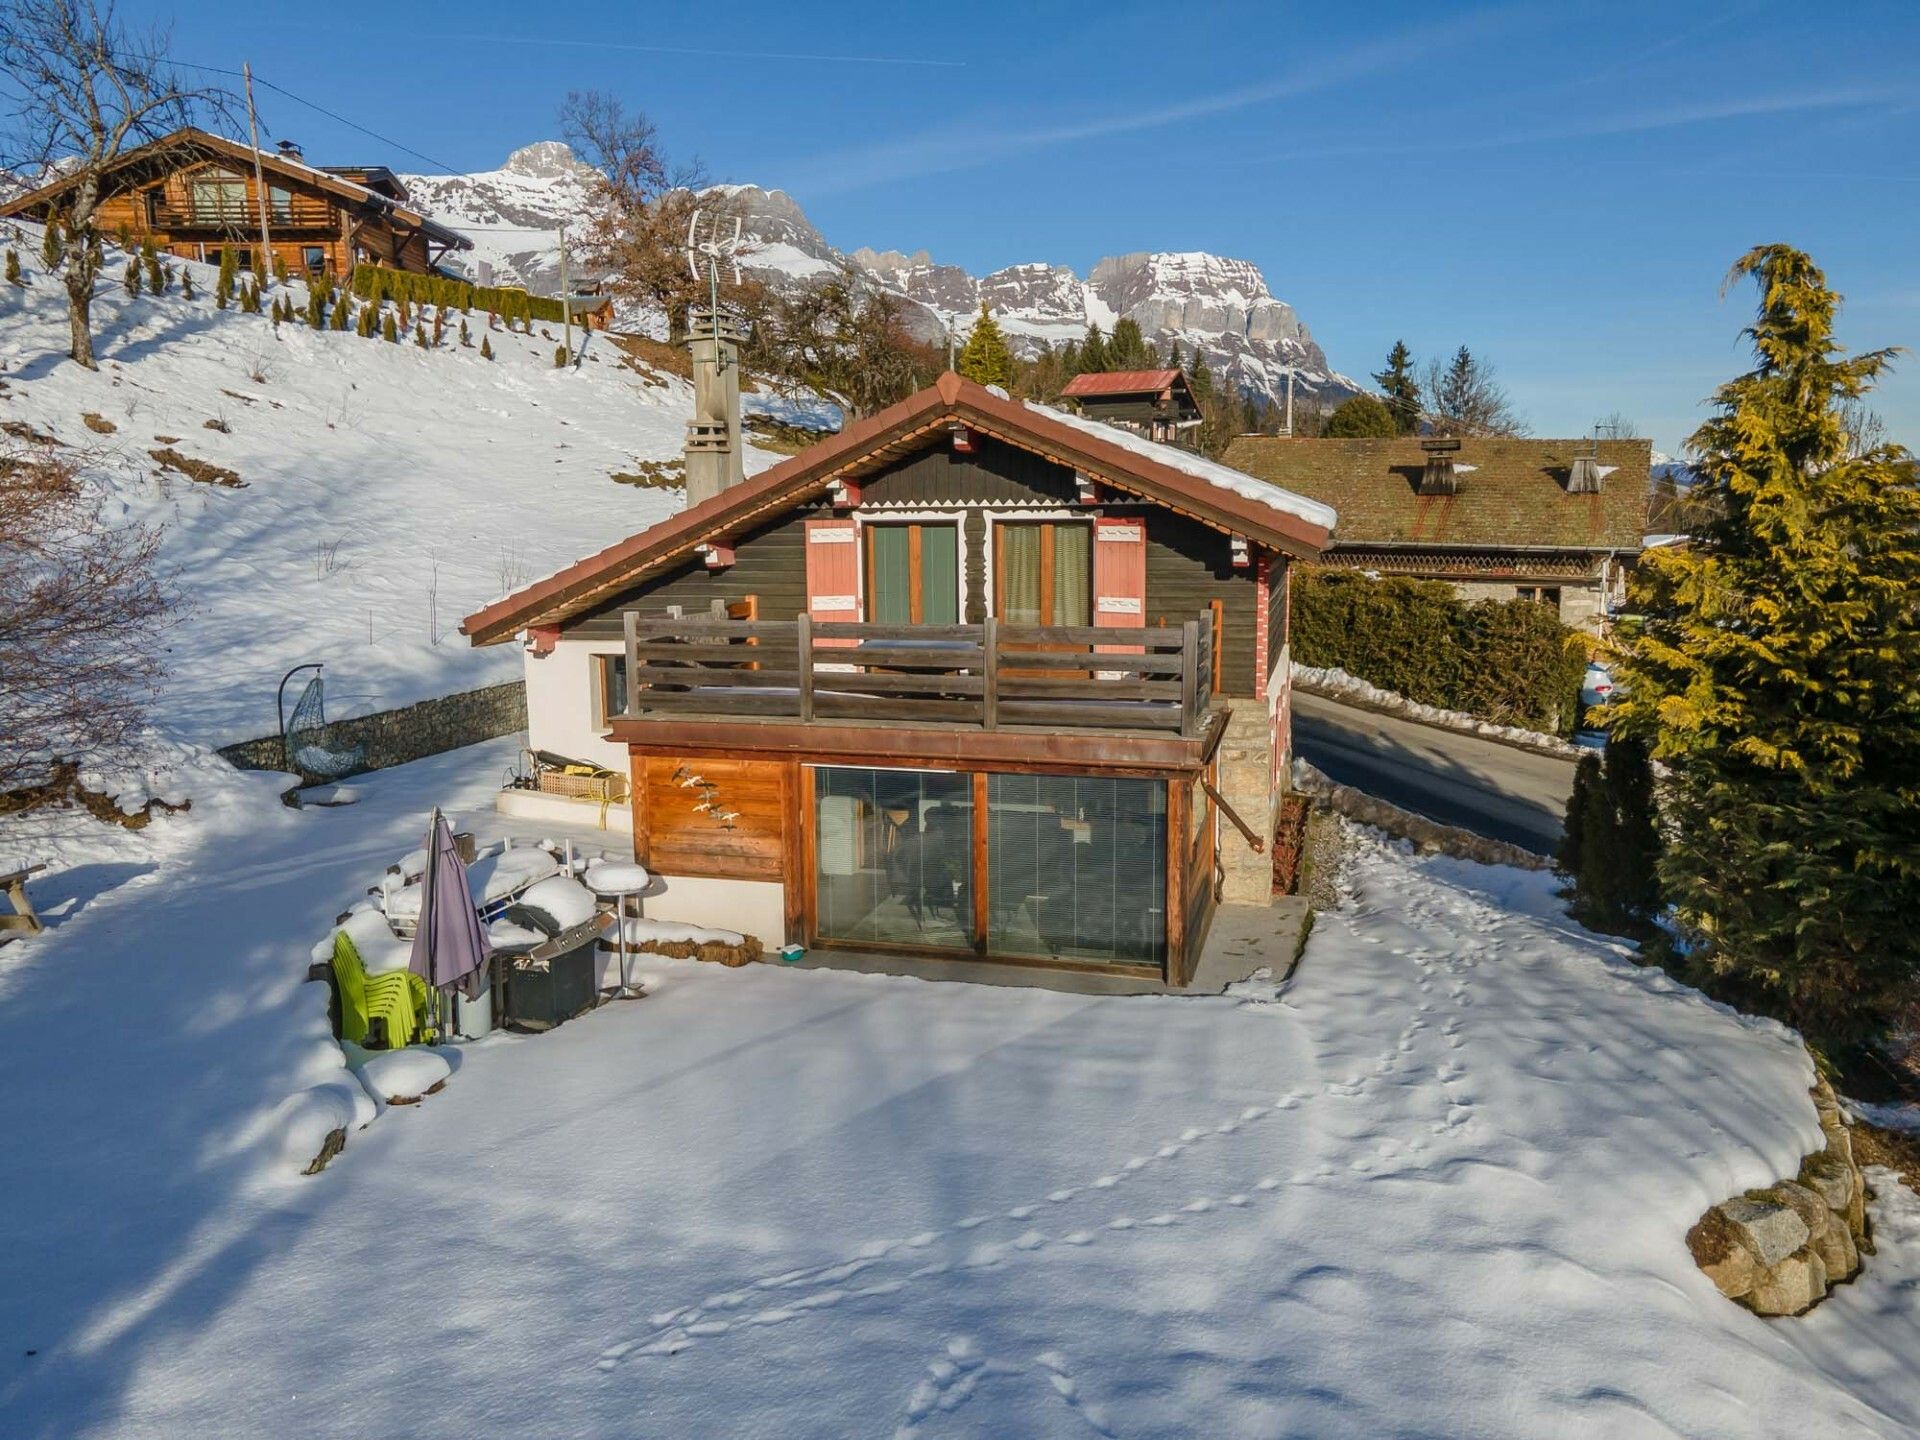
(412, 732)
(1245, 769)
(1778, 1251)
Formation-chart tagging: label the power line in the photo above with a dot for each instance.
(330, 114)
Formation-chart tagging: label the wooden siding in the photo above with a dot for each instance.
(770, 563)
(1189, 564)
(742, 833)
(160, 207)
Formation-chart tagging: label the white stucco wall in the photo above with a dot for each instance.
(752, 907)
(561, 690)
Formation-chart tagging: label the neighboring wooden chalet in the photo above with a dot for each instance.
(972, 678)
(194, 195)
(1158, 404)
(1558, 521)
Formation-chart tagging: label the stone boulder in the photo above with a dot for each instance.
(1793, 1286)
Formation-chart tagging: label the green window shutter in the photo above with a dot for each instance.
(940, 574)
(889, 598)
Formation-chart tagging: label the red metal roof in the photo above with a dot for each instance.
(1121, 382)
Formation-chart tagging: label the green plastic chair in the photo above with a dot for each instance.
(397, 997)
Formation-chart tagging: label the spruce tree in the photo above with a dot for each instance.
(132, 277)
(486, 348)
(1201, 378)
(985, 359)
(1093, 353)
(420, 336)
(343, 312)
(13, 267)
(390, 328)
(1777, 676)
(223, 285)
(369, 313)
(466, 336)
(1127, 349)
(1401, 387)
(150, 260)
(186, 282)
(52, 248)
(1173, 355)
(559, 357)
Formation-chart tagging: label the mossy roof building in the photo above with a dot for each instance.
(1559, 521)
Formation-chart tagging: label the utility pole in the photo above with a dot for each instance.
(566, 294)
(265, 268)
(1289, 402)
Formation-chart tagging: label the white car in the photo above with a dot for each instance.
(1597, 687)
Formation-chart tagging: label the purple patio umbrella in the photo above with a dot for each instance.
(449, 946)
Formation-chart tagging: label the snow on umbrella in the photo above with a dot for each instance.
(449, 947)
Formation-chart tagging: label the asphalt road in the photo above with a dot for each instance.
(1491, 789)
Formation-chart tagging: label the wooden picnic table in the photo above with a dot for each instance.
(23, 920)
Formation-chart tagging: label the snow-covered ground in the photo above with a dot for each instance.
(389, 490)
(1436, 1187)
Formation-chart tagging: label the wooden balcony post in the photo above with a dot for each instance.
(630, 622)
(1189, 677)
(803, 646)
(990, 672)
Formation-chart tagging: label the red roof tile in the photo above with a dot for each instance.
(1120, 382)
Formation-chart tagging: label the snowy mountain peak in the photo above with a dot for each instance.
(1214, 306)
(548, 160)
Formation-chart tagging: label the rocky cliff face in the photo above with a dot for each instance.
(1212, 305)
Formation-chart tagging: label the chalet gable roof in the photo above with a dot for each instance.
(205, 145)
(1511, 493)
(1211, 492)
(1121, 382)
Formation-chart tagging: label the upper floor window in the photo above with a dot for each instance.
(216, 196)
(913, 573)
(1043, 572)
(280, 202)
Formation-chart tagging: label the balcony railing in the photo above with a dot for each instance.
(990, 675)
(301, 214)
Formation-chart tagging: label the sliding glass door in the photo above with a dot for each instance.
(1075, 866)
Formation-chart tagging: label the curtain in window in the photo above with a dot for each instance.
(1020, 575)
(1072, 575)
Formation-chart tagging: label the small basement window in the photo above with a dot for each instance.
(314, 257)
(609, 689)
(1544, 594)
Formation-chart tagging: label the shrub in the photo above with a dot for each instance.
(486, 348)
(420, 336)
(390, 328)
(186, 282)
(371, 282)
(1611, 844)
(1362, 417)
(52, 248)
(1509, 661)
(13, 268)
(133, 275)
(559, 357)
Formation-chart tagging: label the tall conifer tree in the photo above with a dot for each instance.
(1777, 676)
(985, 359)
(1401, 388)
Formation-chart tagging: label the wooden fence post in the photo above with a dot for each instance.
(1189, 675)
(803, 644)
(990, 673)
(630, 621)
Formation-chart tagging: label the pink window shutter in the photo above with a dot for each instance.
(1119, 579)
(833, 574)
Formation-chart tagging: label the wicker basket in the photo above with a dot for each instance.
(604, 787)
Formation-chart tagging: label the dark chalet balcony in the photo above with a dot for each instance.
(988, 677)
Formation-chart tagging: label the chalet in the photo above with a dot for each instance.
(195, 195)
(1158, 404)
(973, 678)
(1558, 521)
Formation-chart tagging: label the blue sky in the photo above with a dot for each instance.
(1560, 186)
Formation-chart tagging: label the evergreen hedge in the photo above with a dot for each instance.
(378, 283)
(1509, 661)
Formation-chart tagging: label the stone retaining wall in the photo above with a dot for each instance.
(1779, 1251)
(413, 732)
(1429, 836)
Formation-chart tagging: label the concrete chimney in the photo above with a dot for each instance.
(715, 452)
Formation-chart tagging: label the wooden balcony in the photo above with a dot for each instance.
(990, 676)
(303, 213)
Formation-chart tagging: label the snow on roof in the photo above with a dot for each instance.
(1223, 477)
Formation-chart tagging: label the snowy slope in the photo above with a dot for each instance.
(388, 492)
(1438, 1187)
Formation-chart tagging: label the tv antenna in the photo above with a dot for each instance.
(717, 249)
